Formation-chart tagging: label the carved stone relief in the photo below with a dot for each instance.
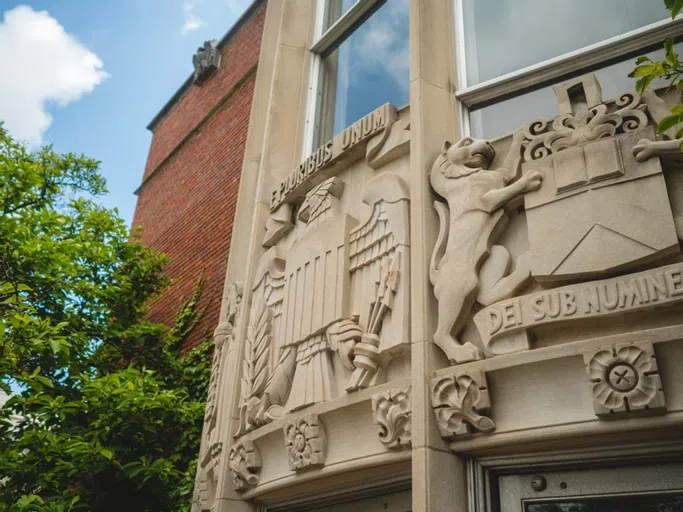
(461, 403)
(474, 217)
(207, 468)
(390, 144)
(615, 199)
(502, 324)
(206, 60)
(595, 205)
(302, 317)
(392, 412)
(245, 465)
(305, 442)
(625, 379)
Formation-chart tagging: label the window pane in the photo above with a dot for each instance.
(368, 69)
(502, 36)
(335, 9)
(507, 115)
(653, 503)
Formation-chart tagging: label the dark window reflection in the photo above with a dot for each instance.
(370, 68)
(652, 503)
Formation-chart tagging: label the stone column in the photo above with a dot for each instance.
(439, 479)
(272, 151)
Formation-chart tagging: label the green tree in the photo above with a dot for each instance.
(106, 415)
(670, 69)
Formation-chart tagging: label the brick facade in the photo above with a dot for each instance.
(186, 202)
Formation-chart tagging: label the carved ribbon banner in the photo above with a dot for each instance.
(573, 303)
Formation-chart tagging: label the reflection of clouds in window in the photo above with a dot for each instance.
(373, 65)
(385, 43)
(503, 36)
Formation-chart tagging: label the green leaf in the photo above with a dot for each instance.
(643, 70)
(642, 83)
(107, 454)
(667, 122)
(676, 8)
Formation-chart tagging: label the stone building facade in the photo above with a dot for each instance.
(455, 282)
(187, 199)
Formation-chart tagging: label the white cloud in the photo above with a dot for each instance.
(40, 63)
(192, 21)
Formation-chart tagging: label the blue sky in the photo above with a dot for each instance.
(101, 70)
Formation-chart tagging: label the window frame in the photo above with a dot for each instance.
(485, 473)
(326, 41)
(550, 71)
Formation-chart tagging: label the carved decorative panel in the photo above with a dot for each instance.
(211, 449)
(461, 403)
(245, 465)
(305, 442)
(392, 412)
(625, 379)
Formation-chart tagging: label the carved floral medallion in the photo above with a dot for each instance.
(305, 442)
(625, 378)
(391, 412)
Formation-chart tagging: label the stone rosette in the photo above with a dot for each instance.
(305, 442)
(624, 379)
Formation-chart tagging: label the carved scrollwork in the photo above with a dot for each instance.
(625, 378)
(305, 442)
(460, 403)
(392, 412)
(245, 464)
(543, 138)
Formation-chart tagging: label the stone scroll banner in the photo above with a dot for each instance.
(503, 325)
(346, 147)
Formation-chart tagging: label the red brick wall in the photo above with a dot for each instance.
(186, 203)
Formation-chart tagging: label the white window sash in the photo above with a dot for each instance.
(504, 86)
(323, 42)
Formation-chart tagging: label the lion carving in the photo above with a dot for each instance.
(465, 267)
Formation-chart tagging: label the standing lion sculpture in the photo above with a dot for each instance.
(465, 265)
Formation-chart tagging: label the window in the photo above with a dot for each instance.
(507, 114)
(361, 62)
(632, 487)
(511, 51)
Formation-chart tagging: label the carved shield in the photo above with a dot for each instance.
(599, 210)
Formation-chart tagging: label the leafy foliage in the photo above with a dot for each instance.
(108, 415)
(670, 69)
